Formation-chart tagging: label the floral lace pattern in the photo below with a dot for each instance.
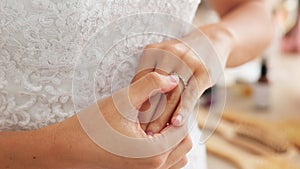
(39, 44)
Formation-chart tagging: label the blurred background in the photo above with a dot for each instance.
(260, 127)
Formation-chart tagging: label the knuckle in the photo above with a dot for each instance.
(178, 50)
(203, 79)
(195, 60)
(201, 68)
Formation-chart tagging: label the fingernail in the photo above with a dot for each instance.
(174, 78)
(177, 120)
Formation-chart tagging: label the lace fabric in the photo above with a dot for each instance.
(40, 41)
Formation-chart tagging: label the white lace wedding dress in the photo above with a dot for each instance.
(40, 41)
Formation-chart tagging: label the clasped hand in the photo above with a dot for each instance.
(162, 71)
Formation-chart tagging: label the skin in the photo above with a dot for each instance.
(234, 40)
(65, 145)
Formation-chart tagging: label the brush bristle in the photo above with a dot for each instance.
(291, 130)
(263, 136)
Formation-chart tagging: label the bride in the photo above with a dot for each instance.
(41, 41)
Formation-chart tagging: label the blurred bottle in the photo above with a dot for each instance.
(261, 95)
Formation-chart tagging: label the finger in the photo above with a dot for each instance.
(160, 106)
(147, 110)
(164, 117)
(187, 103)
(146, 107)
(155, 109)
(179, 152)
(182, 59)
(183, 162)
(127, 101)
(151, 84)
(154, 104)
(146, 65)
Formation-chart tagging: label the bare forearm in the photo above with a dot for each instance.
(247, 24)
(30, 149)
(52, 147)
(61, 146)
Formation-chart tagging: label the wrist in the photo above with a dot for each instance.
(212, 44)
(222, 38)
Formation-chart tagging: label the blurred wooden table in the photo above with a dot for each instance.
(284, 73)
(284, 100)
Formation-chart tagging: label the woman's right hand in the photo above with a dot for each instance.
(74, 149)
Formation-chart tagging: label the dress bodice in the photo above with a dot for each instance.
(40, 41)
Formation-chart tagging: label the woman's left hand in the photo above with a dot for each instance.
(166, 58)
(174, 56)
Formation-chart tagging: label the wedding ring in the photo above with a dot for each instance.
(182, 79)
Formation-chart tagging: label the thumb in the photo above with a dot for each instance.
(149, 85)
(128, 100)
